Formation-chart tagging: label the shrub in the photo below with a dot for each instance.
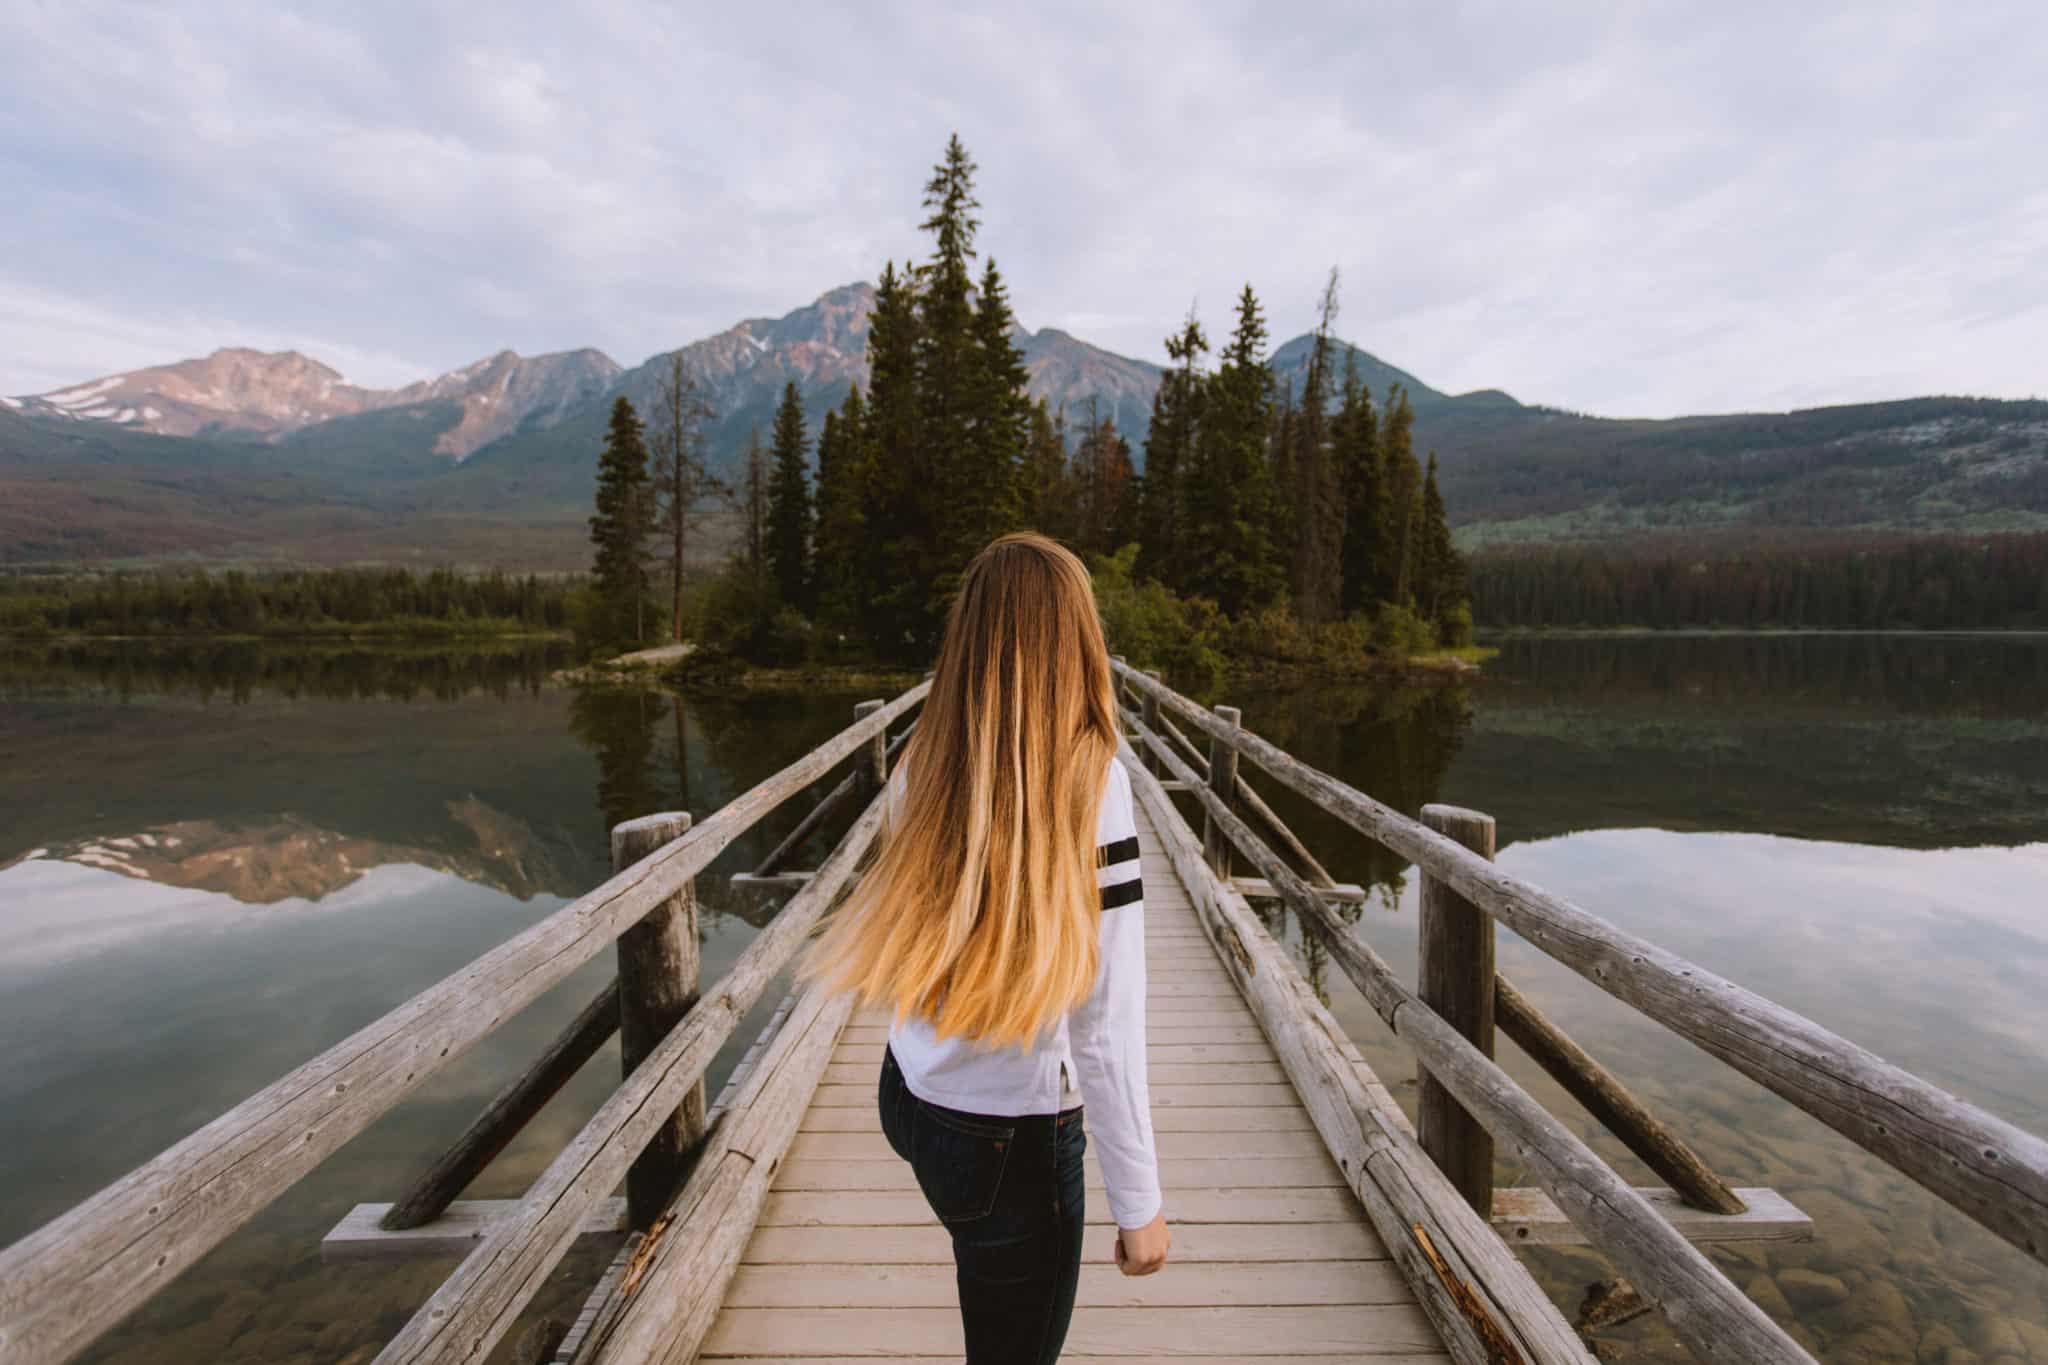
(1401, 630)
(1152, 627)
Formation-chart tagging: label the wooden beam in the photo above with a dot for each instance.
(512, 1108)
(669, 1314)
(1710, 1315)
(849, 786)
(770, 881)
(607, 1298)
(1988, 1168)
(479, 1303)
(1484, 1305)
(361, 1236)
(657, 986)
(72, 1279)
(1258, 888)
(1529, 1217)
(1318, 875)
(1603, 1096)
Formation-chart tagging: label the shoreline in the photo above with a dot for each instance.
(1737, 632)
(627, 670)
(307, 637)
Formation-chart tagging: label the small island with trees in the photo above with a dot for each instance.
(1268, 529)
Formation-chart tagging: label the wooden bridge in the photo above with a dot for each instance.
(1311, 1220)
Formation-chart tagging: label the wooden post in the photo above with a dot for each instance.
(873, 761)
(1455, 978)
(1222, 781)
(657, 985)
(1148, 706)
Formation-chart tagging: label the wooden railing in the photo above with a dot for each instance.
(69, 1282)
(1980, 1164)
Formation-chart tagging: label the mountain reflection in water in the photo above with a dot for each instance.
(1856, 827)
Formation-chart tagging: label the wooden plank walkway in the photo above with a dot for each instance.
(1272, 1256)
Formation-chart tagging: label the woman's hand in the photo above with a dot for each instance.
(1140, 1251)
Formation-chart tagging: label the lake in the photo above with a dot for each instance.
(216, 860)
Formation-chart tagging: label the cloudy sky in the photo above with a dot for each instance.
(1621, 208)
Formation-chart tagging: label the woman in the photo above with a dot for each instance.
(1002, 921)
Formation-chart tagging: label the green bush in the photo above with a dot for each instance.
(740, 614)
(1457, 627)
(1402, 630)
(1150, 626)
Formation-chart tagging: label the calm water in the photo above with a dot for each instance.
(216, 862)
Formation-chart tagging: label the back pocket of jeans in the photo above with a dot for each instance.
(958, 1161)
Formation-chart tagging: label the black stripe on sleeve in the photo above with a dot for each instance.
(1116, 851)
(1123, 893)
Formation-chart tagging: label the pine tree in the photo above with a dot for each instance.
(620, 527)
(681, 476)
(840, 545)
(1105, 492)
(789, 505)
(1282, 508)
(1318, 504)
(1044, 484)
(1169, 451)
(1402, 508)
(1356, 450)
(753, 507)
(897, 507)
(1001, 416)
(1228, 499)
(1444, 575)
(950, 385)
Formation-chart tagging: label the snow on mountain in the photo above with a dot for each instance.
(264, 395)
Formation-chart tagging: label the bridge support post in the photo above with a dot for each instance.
(1148, 706)
(658, 984)
(872, 762)
(1222, 781)
(1455, 978)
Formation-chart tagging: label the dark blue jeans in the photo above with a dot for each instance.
(1009, 1190)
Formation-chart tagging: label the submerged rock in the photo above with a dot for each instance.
(1812, 1288)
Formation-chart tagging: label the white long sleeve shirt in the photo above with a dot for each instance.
(1100, 1043)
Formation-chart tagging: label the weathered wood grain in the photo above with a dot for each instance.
(657, 986)
(1529, 1217)
(686, 1278)
(926, 1243)
(1711, 1316)
(1454, 977)
(1223, 782)
(66, 1283)
(480, 1301)
(1177, 1358)
(769, 871)
(1236, 1333)
(360, 1235)
(1384, 1168)
(1979, 1163)
(1273, 1284)
(867, 1144)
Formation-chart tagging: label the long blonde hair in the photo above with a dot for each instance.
(980, 910)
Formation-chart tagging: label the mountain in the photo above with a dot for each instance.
(1290, 368)
(261, 457)
(822, 349)
(259, 395)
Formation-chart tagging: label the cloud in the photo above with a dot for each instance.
(1647, 209)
